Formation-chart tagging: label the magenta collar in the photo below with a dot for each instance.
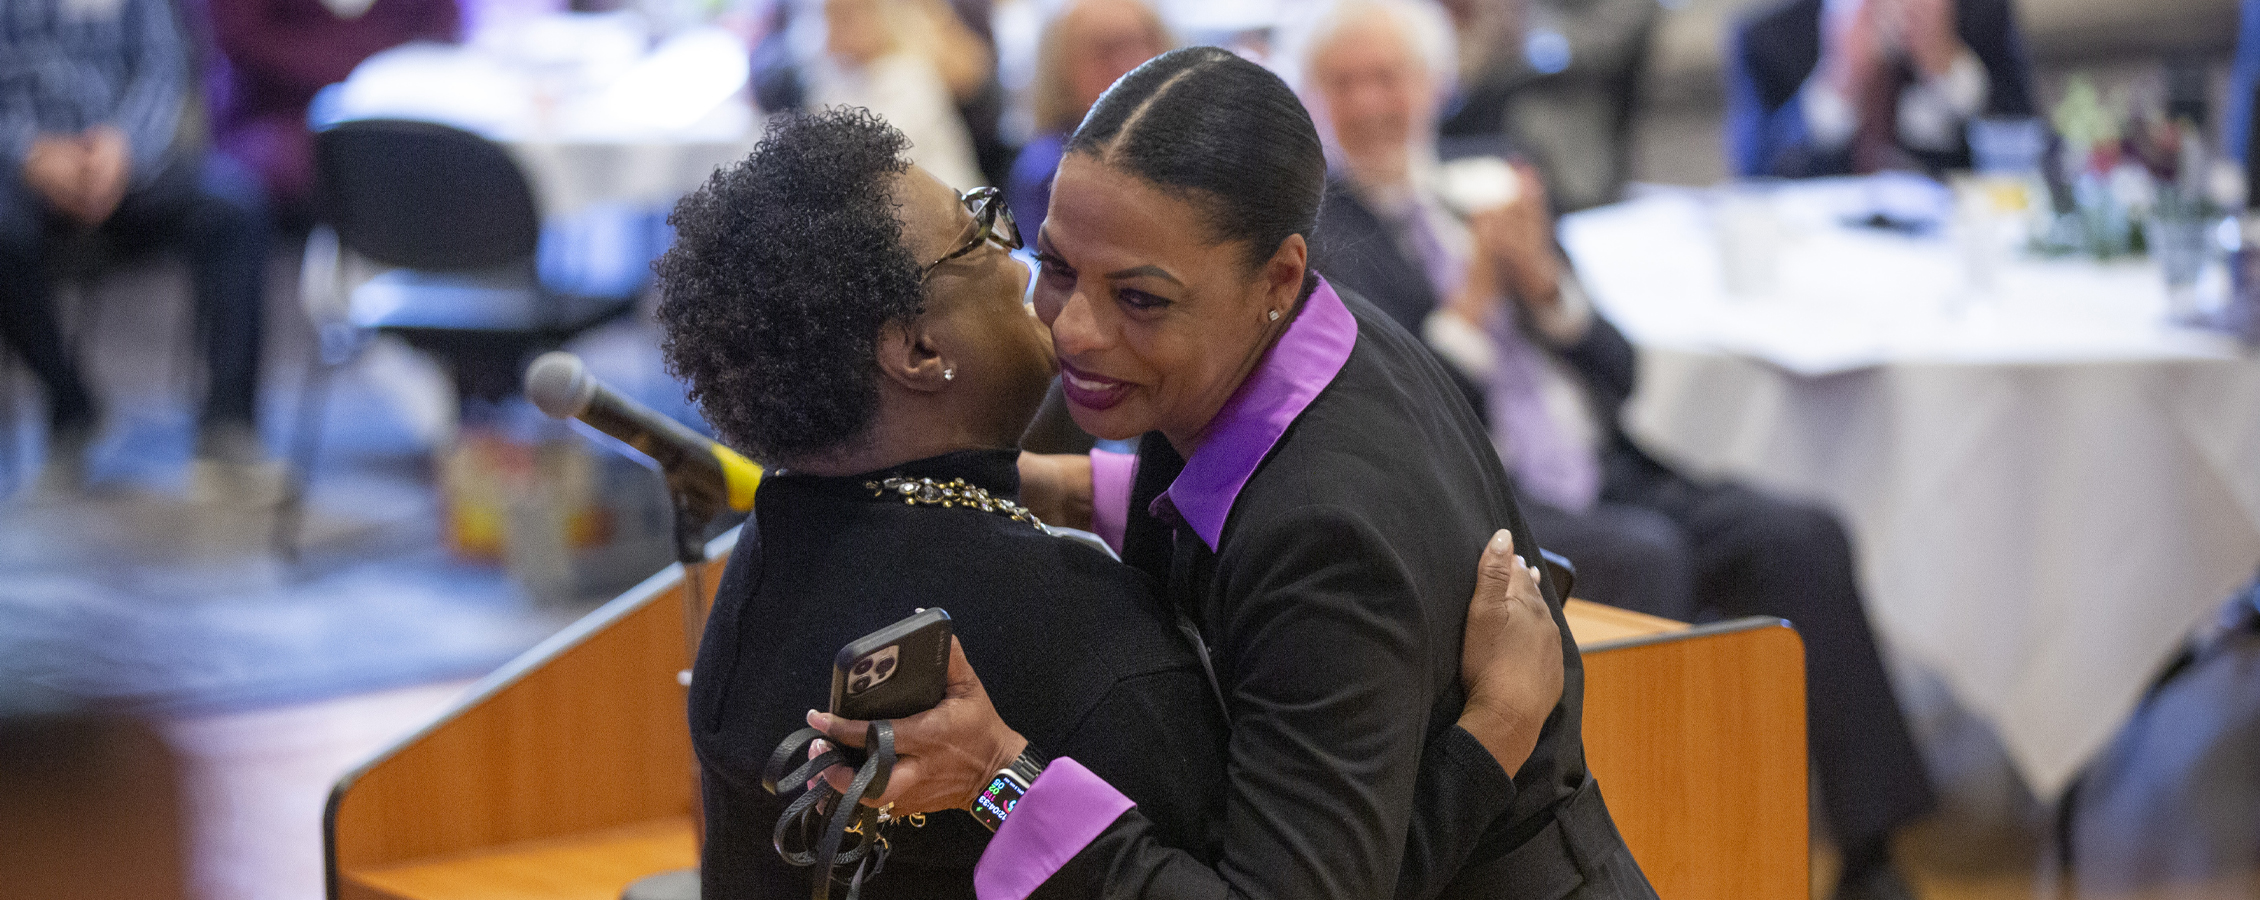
(1291, 375)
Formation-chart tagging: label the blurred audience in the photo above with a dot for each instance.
(1559, 77)
(1827, 87)
(277, 53)
(983, 105)
(2244, 81)
(1083, 50)
(93, 96)
(914, 62)
(1494, 297)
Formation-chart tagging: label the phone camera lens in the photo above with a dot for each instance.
(863, 665)
(860, 684)
(885, 666)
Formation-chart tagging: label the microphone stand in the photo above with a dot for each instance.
(692, 511)
(691, 516)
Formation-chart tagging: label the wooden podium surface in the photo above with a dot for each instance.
(568, 774)
(1697, 737)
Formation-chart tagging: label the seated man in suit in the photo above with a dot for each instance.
(1829, 87)
(92, 94)
(1497, 301)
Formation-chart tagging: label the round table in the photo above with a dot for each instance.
(595, 117)
(2048, 485)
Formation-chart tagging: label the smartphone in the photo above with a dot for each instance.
(896, 671)
(1559, 568)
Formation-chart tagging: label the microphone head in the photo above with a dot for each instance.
(559, 383)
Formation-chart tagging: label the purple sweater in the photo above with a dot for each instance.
(279, 52)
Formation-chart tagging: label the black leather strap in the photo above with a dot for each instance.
(805, 822)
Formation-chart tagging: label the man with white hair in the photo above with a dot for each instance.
(1489, 290)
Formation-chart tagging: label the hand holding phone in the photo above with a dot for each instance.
(945, 755)
(897, 671)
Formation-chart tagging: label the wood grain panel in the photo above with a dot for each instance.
(584, 733)
(1698, 740)
(1593, 624)
(587, 866)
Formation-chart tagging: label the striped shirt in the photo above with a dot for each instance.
(68, 65)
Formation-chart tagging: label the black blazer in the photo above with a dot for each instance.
(1773, 52)
(1074, 648)
(1333, 615)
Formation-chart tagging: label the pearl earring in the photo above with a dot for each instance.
(949, 374)
(1274, 315)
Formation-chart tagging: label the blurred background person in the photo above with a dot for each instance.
(1828, 87)
(1494, 297)
(274, 54)
(1558, 77)
(92, 103)
(2244, 82)
(1083, 50)
(917, 63)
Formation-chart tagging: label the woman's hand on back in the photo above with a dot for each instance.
(1510, 656)
(945, 756)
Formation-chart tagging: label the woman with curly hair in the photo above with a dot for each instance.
(847, 319)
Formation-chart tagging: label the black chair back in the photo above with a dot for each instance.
(421, 195)
(2252, 153)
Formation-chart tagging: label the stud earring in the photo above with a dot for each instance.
(949, 374)
(1273, 315)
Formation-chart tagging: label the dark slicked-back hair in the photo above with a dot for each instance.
(784, 267)
(1221, 131)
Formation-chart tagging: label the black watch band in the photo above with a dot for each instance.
(1007, 787)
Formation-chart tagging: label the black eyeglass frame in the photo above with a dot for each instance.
(988, 209)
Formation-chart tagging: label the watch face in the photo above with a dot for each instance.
(996, 802)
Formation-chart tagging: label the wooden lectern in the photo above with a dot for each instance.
(568, 773)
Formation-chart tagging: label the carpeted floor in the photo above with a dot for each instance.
(132, 594)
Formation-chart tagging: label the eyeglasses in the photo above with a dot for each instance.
(992, 224)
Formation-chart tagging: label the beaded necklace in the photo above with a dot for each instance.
(951, 494)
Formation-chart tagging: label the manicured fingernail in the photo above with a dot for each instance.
(819, 721)
(1502, 538)
(1525, 563)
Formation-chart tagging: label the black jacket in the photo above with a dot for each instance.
(1073, 647)
(1333, 615)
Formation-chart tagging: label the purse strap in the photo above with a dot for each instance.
(805, 821)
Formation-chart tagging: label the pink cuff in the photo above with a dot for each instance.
(1111, 476)
(1063, 812)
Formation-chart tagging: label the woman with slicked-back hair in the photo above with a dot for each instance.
(1308, 485)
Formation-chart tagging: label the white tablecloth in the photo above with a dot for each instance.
(2048, 487)
(593, 116)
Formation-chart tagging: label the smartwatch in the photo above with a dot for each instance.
(1004, 791)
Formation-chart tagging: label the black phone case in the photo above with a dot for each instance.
(921, 674)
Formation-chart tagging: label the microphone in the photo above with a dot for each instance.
(707, 475)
